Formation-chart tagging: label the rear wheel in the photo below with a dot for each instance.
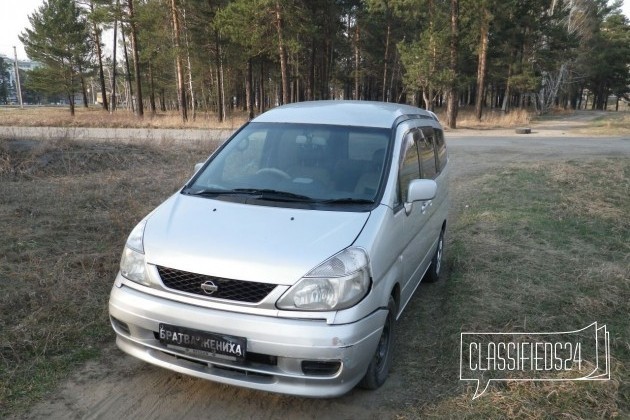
(378, 370)
(433, 274)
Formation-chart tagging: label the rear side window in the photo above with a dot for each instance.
(426, 150)
(440, 149)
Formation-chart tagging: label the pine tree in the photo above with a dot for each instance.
(58, 39)
(4, 80)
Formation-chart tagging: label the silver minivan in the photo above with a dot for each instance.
(284, 262)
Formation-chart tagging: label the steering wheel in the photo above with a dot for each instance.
(273, 171)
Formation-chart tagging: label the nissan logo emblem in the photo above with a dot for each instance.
(209, 287)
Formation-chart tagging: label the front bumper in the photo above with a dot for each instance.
(277, 346)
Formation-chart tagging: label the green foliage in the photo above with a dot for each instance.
(156, 40)
(39, 80)
(248, 24)
(607, 66)
(4, 80)
(372, 49)
(59, 40)
(525, 81)
(426, 58)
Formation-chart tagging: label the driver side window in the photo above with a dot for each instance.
(409, 166)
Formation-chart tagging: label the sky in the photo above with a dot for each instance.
(14, 18)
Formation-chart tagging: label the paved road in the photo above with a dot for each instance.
(122, 135)
(475, 154)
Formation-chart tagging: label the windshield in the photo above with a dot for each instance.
(305, 162)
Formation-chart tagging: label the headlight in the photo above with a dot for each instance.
(135, 240)
(132, 261)
(132, 266)
(338, 283)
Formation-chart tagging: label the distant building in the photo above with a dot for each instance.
(25, 65)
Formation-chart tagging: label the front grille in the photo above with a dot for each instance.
(237, 290)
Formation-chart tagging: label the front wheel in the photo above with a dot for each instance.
(436, 263)
(378, 370)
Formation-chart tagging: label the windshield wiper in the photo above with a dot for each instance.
(276, 195)
(347, 200)
(263, 193)
(209, 191)
(269, 194)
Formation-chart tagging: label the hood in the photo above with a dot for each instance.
(246, 242)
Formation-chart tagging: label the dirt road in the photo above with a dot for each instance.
(120, 387)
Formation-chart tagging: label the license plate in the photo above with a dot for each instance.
(203, 343)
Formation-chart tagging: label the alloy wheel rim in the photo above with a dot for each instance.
(438, 262)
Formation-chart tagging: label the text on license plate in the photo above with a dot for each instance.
(220, 345)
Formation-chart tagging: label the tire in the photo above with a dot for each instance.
(433, 274)
(378, 369)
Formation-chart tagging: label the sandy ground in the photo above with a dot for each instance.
(119, 387)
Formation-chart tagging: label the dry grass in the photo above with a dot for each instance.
(613, 123)
(65, 211)
(531, 400)
(603, 202)
(97, 117)
(540, 247)
(492, 119)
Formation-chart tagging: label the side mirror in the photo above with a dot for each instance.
(421, 190)
(197, 167)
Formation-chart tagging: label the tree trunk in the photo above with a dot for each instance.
(129, 86)
(220, 91)
(71, 93)
(114, 48)
(427, 96)
(393, 91)
(136, 59)
(385, 96)
(261, 105)
(452, 104)
(282, 53)
(329, 65)
(181, 89)
(83, 88)
(249, 94)
(357, 58)
(433, 47)
(481, 67)
(310, 88)
(71, 102)
(296, 60)
(505, 107)
(151, 89)
(99, 56)
(193, 106)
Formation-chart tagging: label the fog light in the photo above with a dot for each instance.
(320, 368)
(120, 325)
